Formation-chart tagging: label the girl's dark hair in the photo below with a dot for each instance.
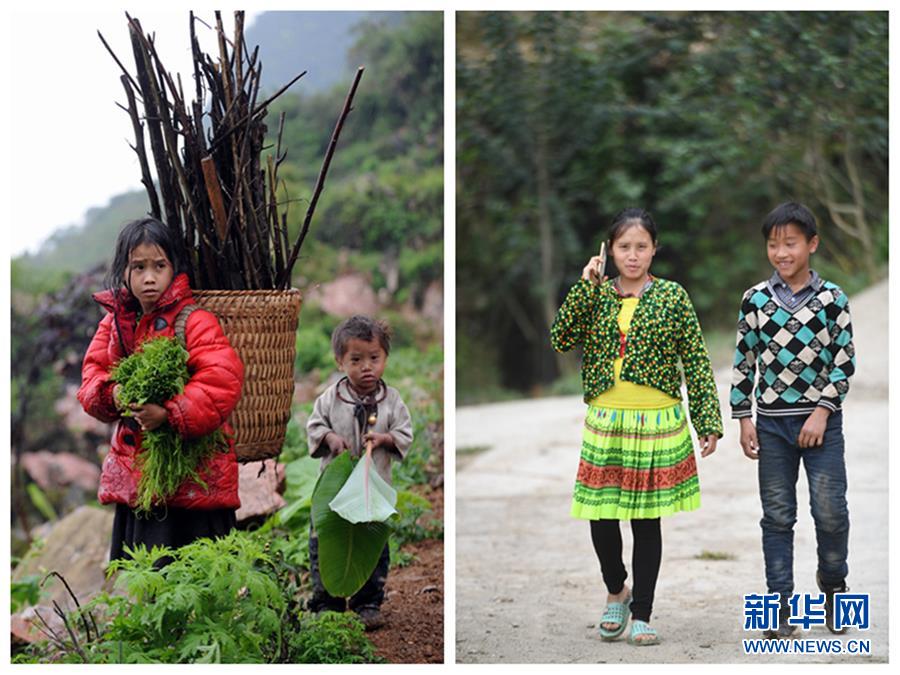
(630, 217)
(135, 233)
(361, 328)
(787, 213)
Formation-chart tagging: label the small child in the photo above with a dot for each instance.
(148, 289)
(795, 328)
(339, 423)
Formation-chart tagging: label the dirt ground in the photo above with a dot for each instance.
(414, 602)
(528, 585)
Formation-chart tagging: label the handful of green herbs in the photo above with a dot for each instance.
(155, 373)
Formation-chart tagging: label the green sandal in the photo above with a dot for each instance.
(616, 612)
(640, 628)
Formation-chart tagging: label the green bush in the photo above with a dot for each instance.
(331, 637)
(216, 601)
(313, 350)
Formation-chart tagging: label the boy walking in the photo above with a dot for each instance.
(341, 422)
(795, 329)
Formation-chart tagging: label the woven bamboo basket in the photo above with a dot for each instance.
(262, 328)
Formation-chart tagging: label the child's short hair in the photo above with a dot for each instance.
(629, 217)
(787, 213)
(143, 231)
(361, 328)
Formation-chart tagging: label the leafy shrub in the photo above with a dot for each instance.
(217, 601)
(331, 637)
(313, 350)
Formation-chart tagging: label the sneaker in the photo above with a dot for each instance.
(785, 629)
(371, 617)
(829, 592)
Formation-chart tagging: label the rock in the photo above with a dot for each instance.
(77, 548)
(61, 469)
(258, 488)
(74, 416)
(345, 296)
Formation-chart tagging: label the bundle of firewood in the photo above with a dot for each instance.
(212, 184)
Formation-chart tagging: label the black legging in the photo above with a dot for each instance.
(645, 560)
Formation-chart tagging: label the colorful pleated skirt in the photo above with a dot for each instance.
(635, 464)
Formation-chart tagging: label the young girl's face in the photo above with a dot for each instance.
(633, 251)
(149, 274)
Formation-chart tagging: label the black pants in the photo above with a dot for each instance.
(645, 560)
(371, 595)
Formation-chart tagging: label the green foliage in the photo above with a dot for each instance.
(332, 637)
(408, 526)
(24, 592)
(40, 501)
(313, 350)
(154, 374)
(418, 376)
(348, 552)
(215, 602)
(385, 185)
(708, 119)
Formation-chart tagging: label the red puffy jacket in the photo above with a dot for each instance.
(217, 375)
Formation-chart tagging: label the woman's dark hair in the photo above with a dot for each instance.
(361, 328)
(787, 213)
(627, 218)
(135, 233)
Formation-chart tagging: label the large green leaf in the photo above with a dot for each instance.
(348, 553)
(365, 497)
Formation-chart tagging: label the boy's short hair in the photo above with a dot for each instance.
(787, 213)
(361, 328)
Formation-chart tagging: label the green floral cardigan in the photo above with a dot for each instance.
(663, 330)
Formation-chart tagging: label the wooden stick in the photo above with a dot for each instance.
(320, 182)
(139, 148)
(214, 190)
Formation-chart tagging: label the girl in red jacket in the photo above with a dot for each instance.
(147, 289)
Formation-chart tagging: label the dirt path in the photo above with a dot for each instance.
(414, 602)
(528, 585)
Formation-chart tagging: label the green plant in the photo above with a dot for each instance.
(215, 601)
(348, 552)
(407, 526)
(228, 600)
(40, 501)
(313, 349)
(25, 592)
(154, 374)
(331, 637)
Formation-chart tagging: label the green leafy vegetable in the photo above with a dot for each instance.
(154, 374)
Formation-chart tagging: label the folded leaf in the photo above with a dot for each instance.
(348, 552)
(365, 497)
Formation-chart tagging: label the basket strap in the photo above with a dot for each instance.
(181, 322)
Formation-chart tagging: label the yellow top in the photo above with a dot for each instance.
(628, 395)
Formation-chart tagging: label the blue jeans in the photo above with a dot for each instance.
(779, 463)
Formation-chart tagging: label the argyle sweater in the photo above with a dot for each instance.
(805, 356)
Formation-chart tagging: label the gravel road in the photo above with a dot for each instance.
(528, 585)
